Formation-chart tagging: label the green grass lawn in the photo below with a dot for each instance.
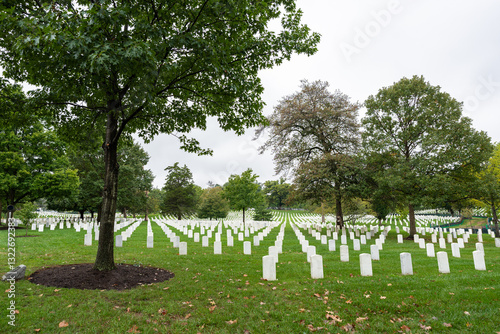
(226, 294)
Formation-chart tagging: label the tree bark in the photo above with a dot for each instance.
(81, 214)
(413, 225)
(322, 212)
(338, 211)
(495, 219)
(105, 256)
(243, 215)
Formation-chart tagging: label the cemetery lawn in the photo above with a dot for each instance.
(226, 293)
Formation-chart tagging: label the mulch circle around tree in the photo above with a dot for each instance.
(82, 276)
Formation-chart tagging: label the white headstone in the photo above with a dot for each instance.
(331, 245)
(479, 260)
(406, 264)
(460, 242)
(443, 264)
(230, 241)
(247, 248)
(374, 252)
(356, 245)
(400, 238)
(421, 243)
(497, 242)
(268, 268)
(183, 248)
(273, 251)
(88, 239)
(365, 264)
(240, 236)
(455, 250)
(311, 250)
(344, 253)
(204, 241)
(324, 239)
(479, 246)
(304, 244)
(196, 237)
(150, 241)
(119, 242)
(442, 243)
(430, 250)
(343, 239)
(316, 266)
(217, 247)
(256, 240)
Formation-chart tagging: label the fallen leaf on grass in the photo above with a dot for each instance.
(348, 327)
(383, 297)
(406, 328)
(187, 316)
(56, 290)
(230, 322)
(334, 317)
(348, 301)
(361, 319)
(37, 329)
(466, 313)
(133, 329)
(212, 308)
(424, 327)
(69, 305)
(63, 324)
(468, 324)
(162, 311)
(446, 324)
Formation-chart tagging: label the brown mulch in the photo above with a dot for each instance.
(82, 276)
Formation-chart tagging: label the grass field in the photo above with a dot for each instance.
(226, 294)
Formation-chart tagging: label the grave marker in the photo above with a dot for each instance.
(365, 264)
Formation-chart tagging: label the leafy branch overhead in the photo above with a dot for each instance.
(161, 68)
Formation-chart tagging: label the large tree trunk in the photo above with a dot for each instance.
(338, 212)
(105, 257)
(413, 225)
(243, 216)
(322, 212)
(81, 214)
(495, 219)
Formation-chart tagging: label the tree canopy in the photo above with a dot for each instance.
(180, 196)
(426, 142)
(212, 204)
(315, 130)
(33, 160)
(148, 67)
(242, 191)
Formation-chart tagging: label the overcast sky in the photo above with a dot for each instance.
(365, 45)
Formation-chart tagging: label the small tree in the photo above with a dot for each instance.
(27, 214)
(242, 191)
(213, 205)
(179, 193)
